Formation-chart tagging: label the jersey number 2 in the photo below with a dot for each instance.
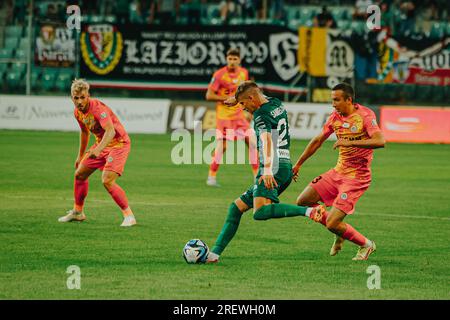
(282, 131)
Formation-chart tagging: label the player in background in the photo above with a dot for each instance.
(229, 118)
(109, 152)
(358, 134)
(275, 168)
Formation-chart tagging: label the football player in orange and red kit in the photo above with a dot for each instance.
(109, 152)
(358, 134)
(231, 121)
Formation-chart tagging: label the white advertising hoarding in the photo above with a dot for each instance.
(306, 120)
(56, 113)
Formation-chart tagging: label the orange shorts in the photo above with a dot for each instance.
(339, 191)
(232, 129)
(110, 159)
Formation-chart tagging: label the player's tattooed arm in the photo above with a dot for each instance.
(84, 140)
(109, 134)
(231, 101)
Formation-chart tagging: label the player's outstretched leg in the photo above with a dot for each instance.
(309, 197)
(119, 196)
(320, 215)
(217, 159)
(333, 221)
(229, 229)
(80, 190)
(252, 154)
(280, 210)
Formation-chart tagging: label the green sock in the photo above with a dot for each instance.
(279, 210)
(228, 230)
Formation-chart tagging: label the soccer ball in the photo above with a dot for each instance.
(195, 251)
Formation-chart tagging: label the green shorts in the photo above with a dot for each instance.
(283, 178)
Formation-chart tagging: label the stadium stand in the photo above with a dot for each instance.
(429, 19)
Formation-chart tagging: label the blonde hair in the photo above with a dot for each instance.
(244, 87)
(79, 85)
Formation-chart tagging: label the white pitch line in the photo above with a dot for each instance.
(387, 215)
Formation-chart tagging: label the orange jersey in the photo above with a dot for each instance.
(353, 162)
(95, 119)
(224, 82)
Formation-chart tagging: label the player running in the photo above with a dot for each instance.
(358, 134)
(275, 168)
(229, 118)
(109, 152)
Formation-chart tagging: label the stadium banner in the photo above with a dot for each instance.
(324, 52)
(56, 113)
(55, 46)
(305, 119)
(415, 124)
(180, 58)
(414, 61)
(191, 114)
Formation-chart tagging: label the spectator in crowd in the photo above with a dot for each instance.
(194, 8)
(361, 9)
(142, 11)
(387, 15)
(324, 19)
(136, 13)
(121, 11)
(261, 10)
(228, 10)
(52, 13)
(167, 11)
(19, 11)
(427, 13)
(278, 11)
(149, 10)
(407, 21)
(247, 8)
(8, 7)
(366, 54)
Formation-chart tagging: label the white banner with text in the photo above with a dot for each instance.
(56, 113)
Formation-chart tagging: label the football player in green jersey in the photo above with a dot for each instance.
(275, 168)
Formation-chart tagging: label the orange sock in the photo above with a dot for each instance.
(80, 191)
(120, 199)
(255, 171)
(212, 173)
(354, 236)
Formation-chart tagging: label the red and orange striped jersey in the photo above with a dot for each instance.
(226, 83)
(353, 162)
(96, 117)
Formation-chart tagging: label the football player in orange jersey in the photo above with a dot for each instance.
(231, 121)
(358, 134)
(109, 152)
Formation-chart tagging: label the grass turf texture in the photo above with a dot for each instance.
(406, 211)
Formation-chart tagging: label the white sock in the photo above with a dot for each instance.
(308, 212)
(368, 243)
(213, 255)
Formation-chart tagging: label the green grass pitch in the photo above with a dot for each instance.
(406, 211)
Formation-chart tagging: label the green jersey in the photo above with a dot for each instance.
(272, 117)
